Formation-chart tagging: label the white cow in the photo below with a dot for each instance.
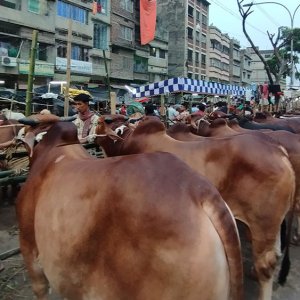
(9, 114)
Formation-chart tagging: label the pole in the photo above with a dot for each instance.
(68, 72)
(107, 76)
(31, 73)
(113, 101)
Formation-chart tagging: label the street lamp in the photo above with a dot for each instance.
(292, 16)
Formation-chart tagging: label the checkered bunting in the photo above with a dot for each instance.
(179, 84)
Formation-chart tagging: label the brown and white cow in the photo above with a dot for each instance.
(235, 167)
(129, 227)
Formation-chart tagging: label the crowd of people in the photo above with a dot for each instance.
(86, 119)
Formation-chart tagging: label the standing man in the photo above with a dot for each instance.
(172, 113)
(86, 120)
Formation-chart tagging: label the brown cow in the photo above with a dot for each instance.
(292, 123)
(291, 142)
(234, 166)
(123, 228)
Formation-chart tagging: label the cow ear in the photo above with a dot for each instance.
(28, 141)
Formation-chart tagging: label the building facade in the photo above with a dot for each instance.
(235, 62)
(246, 70)
(219, 56)
(188, 36)
(259, 74)
(104, 43)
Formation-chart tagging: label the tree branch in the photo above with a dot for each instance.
(244, 15)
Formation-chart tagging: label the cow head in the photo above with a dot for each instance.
(39, 125)
(111, 132)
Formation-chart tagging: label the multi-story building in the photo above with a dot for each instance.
(18, 18)
(53, 19)
(235, 62)
(246, 70)
(259, 74)
(151, 61)
(187, 25)
(219, 56)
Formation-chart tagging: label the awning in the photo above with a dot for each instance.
(116, 86)
(187, 85)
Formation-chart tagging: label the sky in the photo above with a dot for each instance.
(225, 15)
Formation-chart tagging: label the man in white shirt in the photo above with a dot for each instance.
(86, 121)
(172, 113)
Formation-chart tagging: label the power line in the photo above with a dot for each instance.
(234, 14)
(267, 15)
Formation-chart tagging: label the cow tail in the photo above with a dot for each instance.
(286, 263)
(224, 223)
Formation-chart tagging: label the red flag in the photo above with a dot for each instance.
(147, 20)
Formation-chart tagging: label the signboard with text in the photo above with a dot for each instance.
(41, 68)
(77, 66)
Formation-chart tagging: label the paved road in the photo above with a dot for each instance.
(14, 283)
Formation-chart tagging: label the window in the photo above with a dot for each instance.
(79, 53)
(152, 51)
(204, 19)
(197, 15)
(62, 51)
(197, 56)
(71, 11)
(203, 59)
(191, 11)
(190, 55)
(100, 36)
(190, 33)
(127, 5)
(162, 53)
(126, 33)
(14, 4)
(41, 53)
(197, 36)
(34, 6)
(140, 64)
(127, 63)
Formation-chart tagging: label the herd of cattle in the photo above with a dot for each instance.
(155, 219)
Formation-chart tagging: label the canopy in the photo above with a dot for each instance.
(188, 85)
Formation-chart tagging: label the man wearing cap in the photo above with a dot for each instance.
(86, 120)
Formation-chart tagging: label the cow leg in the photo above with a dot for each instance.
(278, 245)
(39, 281)
(265, 260)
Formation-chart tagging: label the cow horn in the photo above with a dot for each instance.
(68, 119)
(29, 121)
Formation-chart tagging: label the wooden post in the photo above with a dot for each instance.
(31, 73)
(113, 102)
(107, 76)
(228, 104)
(68, 73)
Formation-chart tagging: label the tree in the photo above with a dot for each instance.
(280, 63)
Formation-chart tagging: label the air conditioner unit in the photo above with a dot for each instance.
(8, 61)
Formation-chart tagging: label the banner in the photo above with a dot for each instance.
(147, 20)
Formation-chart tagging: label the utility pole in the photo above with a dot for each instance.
(31, 73)
(107, 76)
(68, 73)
